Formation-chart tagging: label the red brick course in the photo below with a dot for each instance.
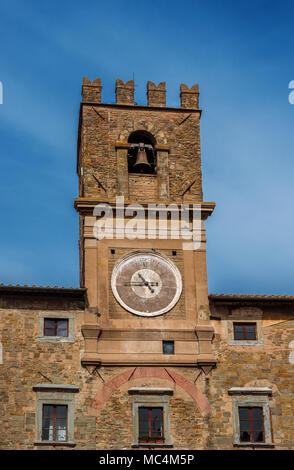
(158, 372)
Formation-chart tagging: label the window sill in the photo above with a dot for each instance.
(244, 342)
(152, 175)
(55, 339)
(55, 443)
(152, 445)
(254, 444)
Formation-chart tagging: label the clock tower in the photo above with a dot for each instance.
(140, 191)
(139, 173)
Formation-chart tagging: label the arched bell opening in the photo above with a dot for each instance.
(142, 154)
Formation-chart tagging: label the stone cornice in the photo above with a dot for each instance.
(143, 108)
(86, 205)
(143, 359)
(41, 387)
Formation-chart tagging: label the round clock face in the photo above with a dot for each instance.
(146, 284)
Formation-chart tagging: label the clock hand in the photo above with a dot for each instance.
(146, 283)
(140, 275)
(134, 284)
(140, 283)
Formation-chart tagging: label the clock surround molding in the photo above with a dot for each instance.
(146, 263)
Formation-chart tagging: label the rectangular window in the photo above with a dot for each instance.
(168, 347)
(151, 425)
(245, 331)
(54, 423)
(55, 327)
(251, 424)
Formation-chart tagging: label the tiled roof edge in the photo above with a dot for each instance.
(49, 289)
(236, 297)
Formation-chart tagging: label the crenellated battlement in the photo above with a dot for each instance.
(156, 94)
(124, 92)
(189, 96)
(91, 91)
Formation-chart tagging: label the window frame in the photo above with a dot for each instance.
(143, 397)
(55, 394)
(252, 397)
(244, 342)
(56, 320)
(151, 439)
(54, 406)
(70, 317)
(251, 430)
(244, 325)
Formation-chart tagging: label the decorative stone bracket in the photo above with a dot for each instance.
(204, 335)
(91, 335)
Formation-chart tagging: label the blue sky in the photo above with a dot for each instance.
(241, 54)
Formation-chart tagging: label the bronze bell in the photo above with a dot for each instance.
(141, 159)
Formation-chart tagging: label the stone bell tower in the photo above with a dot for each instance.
(147, 295)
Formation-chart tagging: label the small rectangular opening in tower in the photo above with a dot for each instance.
(168, 347)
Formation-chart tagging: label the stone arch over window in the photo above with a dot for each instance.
(148, 127)
(156, 372)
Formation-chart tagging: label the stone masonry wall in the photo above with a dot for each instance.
(103, 126)
(265, 365)
(114, 421)
(27, 362)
